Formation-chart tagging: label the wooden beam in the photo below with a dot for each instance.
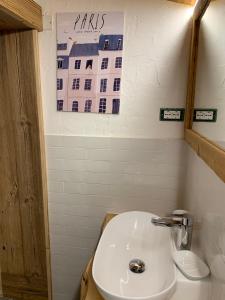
(187, 2)
(200, 9)
(20, 14)
(24, 241)
(192, 74)
(210, 152)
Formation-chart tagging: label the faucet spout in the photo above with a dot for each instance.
(168, 222)
(181, 220)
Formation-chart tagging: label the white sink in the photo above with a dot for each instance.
(131, 236)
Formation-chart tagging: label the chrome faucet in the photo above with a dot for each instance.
(182, 220)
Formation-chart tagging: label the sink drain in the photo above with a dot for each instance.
(137, 266)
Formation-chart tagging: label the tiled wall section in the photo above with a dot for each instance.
(204, 197)
(89, 177)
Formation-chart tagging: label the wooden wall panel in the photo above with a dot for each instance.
(24, 237)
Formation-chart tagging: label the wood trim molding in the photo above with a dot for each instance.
(211, 153)
(196, 21)
(187, 2)
(43, 166)
(192, 74)
(20, 14)
(200, 8)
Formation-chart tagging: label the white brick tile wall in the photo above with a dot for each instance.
(55, 186)
(88, 177)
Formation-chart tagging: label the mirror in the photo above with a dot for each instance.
(210, 75)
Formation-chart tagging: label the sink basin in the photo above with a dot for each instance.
(127, 237)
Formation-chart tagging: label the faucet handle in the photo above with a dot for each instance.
(180, 212)
(187, 217)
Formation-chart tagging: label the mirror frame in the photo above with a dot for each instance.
(210, 152)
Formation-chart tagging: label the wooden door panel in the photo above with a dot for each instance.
(24, 236)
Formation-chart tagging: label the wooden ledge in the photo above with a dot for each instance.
(211, 153)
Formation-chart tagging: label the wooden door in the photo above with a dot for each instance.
(24, 238)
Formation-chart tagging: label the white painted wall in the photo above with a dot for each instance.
(154, 69)
(204, 197)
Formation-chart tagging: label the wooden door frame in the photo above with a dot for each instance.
(20, 14)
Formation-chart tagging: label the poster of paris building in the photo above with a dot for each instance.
(89, 61)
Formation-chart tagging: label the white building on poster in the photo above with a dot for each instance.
(89, 75)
